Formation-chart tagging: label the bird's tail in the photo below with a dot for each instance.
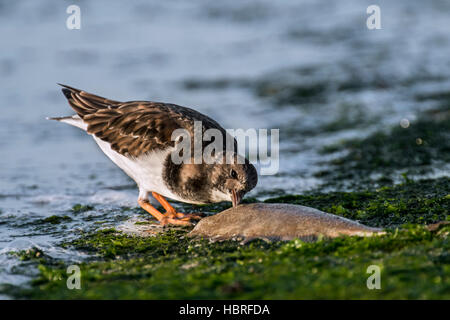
(74, 120)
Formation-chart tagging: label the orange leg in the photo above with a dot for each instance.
(171, 212)
(163, 219)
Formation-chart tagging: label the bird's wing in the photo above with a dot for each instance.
(136, 127)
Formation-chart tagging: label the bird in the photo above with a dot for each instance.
(137, 137)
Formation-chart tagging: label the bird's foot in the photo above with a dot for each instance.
(189, 216)
(164, 219)
(174, 221)
(179, 218)
(171, 216)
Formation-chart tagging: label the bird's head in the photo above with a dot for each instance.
(233, 179)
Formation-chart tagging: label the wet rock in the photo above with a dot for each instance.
(277, 222)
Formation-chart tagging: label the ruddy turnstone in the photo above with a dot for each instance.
(137, 137)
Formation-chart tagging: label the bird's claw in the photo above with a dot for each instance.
(167, 221)
(180, 219)
(189, 216)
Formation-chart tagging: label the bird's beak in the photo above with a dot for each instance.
(236, 197)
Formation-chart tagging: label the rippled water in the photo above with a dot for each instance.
(247, 64)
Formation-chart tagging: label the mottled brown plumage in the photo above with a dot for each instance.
(138, 137)
(134, 128)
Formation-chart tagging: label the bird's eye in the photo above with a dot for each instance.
(233, 174)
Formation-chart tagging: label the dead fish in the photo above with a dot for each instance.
(276, 221)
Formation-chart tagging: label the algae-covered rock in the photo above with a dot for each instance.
(274, 221)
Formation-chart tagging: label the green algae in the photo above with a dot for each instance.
(418, 149)
(414, 264)
(77, 208)
(349, 116)
(29, 254)
(414, 261)
(285, 93)
(425, 201)
(55, 219)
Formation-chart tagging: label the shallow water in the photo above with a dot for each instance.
(294, 65)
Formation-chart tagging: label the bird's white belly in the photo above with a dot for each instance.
(146, 170)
